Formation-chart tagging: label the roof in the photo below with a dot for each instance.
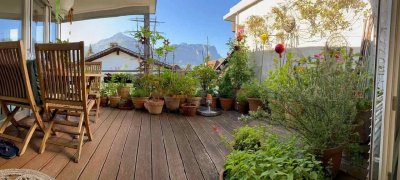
(88, 9)
(238, 8)
(118, 49)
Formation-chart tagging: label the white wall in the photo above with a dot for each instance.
(118, 62)
(266, 59)
(264, 7)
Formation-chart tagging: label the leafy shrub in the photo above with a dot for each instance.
(241, 96)
(248, 138)
(275, 160)
(252, 89)
(139, 92)
(206, 75)
(225, 87)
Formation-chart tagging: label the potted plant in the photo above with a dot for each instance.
(140, 93)
(241, 102)
(171, 86)
(226, 93)
(252, 90)
(104, 93)
(318, 101)
(207, 77)
(258, 155)
(139, 97)
(189, 90)
(155, 104)
(114, 97)
(122, 79)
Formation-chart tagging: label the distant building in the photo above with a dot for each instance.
(120, 59)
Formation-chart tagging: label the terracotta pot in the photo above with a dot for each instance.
(125, 104)
(242, 107)
(194, 100)
(189, 109)
(363, 126)
(124, 92)
(182, 98)
(221, 175)
(114, 101)
(103, 101)
(226, 103)
(172, 103)
(138, 102)
(154, 106)
(332, 158)
(214, 103)
(254, 103)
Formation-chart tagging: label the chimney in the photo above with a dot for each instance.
(113, 44)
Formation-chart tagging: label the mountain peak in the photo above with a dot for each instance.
(184, 53)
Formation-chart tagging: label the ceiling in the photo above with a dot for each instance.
(90, 9)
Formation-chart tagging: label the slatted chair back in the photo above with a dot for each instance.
(14, 80)
(93, 74)
(61, 69)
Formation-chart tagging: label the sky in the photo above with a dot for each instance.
(185, 21)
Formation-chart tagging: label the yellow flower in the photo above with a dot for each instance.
(264, 37)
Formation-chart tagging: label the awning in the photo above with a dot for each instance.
(91, 9)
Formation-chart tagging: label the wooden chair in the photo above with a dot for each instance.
(93, 77)
(61, 69)
(16, 90)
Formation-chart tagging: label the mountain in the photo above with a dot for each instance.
(184, 53)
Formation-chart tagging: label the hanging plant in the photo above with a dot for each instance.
(58, 9)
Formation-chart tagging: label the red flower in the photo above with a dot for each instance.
(216, 129)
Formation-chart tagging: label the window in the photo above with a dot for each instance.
(37, 24)
(11, 20)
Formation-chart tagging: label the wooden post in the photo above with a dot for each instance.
(147, 44)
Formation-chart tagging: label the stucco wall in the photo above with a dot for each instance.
(265, 58)
(264, 7)
(118, 62)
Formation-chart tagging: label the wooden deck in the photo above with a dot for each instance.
(136, 145)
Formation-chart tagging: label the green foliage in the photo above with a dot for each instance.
(248, 138)
(241, 96)
(151, 83)
(317, 99)
(104, 89)
(190, 86)
(206, 75)
(112, 89)
(139, 92)
(121, 78)
(238, 67)
(275, 159)
(259, 115)
(252, 89)
(172, 83)
(225, 87)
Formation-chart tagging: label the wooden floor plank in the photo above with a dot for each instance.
(128, 163)
(60, 162)
(211, 146)
(111, 166)
(137, 145)
(206, 165)
(158, 156)
(175, 164)
(98, 155)
(41, 160)
(190, 164)
(143, 163)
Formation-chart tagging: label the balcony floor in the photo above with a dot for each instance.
(136, 145)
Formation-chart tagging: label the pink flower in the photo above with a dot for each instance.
(216, 129)
(338, 57)
(318, 56)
